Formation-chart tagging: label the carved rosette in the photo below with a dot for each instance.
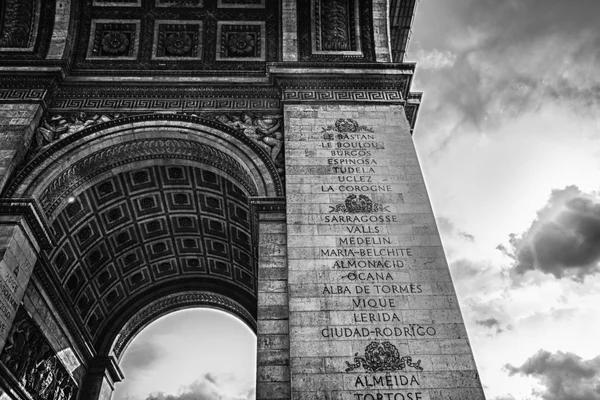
(111, 40)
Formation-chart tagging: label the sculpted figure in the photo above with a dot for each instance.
(50, 130)
(59, 127)
(264, 131)
(46, 377)
(59, 393)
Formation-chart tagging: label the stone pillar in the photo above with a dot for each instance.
(373, 312)
(381, 32)
(18, 254)
(100, 381)
(273, 354)
(18, 122)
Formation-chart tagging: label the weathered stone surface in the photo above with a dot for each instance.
(373, 314)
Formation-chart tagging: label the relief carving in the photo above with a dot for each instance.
(264, 130)
(346, 125)
(18, 18)
(358, 204)
(29, 357)
(335, 25)
(58, 127)
(382, 357)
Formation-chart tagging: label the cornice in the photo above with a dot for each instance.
(29, 209)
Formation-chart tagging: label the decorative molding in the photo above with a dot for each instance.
(163, 104)
(320, 26)
(350, 87)
(268, 204)
(175, 302)
(335, 27)
(152, 98)
(342, 95)
(12, 95)
(33, 215)
(179, 3)
(241, 3)
(264, 130)
(117, 3)
(30, 358)
(411, 109)
(51, 149)
(128, 152)
(247, 31)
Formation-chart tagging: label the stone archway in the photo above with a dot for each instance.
(144, 216)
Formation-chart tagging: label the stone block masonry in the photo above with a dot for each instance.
(17, 124)
(372, 310)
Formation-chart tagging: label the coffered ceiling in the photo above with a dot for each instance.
(157, 227)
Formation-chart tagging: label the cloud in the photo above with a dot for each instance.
(435, 59)
(563, 239)
(564, 376)
(495, 62)
(493, 324)
(209, 387)
(448, 227)
(488, 323)
(142, 355)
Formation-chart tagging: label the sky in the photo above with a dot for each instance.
(508, 138)
(193, 354)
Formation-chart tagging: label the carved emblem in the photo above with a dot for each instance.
(347, 125)
(358, 204)
(382, 357)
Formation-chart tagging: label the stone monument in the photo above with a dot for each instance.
(253, 156)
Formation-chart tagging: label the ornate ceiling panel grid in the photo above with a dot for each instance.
(146, 227)
(177, 35)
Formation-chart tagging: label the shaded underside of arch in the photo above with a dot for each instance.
(145, 207)
(165, 226)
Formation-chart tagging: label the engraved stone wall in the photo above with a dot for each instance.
(373, 313)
